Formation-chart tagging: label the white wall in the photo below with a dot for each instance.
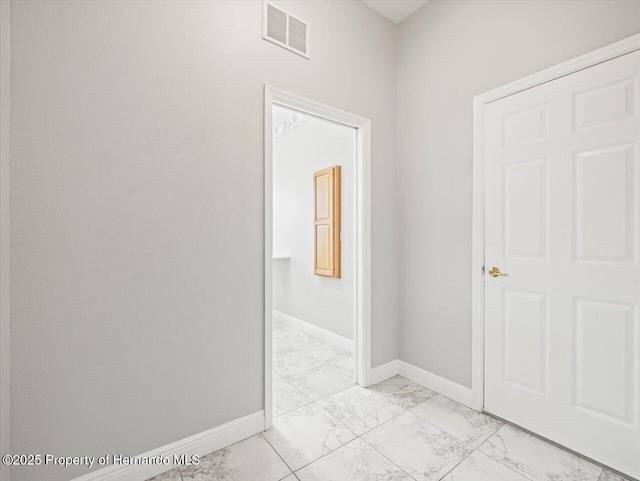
(297, 291)
(137, 211)
(447, 53)
(5, 52)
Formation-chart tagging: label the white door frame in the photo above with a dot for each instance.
(362, 240)
(590, 59)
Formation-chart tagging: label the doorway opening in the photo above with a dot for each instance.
(316, 251)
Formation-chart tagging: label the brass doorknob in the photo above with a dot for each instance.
(495, 272)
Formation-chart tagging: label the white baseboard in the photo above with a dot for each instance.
(384, 372)
(327, 336)
(198, 444)
(450, 389)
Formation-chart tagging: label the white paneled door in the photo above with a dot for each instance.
(562, 219)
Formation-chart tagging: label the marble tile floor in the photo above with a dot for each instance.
(359, 435)
(306, 369)
(328, 429)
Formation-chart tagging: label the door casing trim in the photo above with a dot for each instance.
(617, 49)
(362, 241)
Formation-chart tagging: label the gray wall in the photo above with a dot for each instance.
(447, 53)
(4, 233)
(321, 301)
(137, 211)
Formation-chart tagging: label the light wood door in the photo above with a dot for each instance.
(327, 222)
(562, 218)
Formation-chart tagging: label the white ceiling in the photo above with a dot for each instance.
(395, 10)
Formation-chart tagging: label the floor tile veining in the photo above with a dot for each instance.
(360, 409)
(537, 459)
(423, 450)
(287, 398)
(326, 428)
(307, 434)
(252, 458)
(403, 392)
(464, 423)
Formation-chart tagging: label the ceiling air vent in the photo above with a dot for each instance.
(282, 28)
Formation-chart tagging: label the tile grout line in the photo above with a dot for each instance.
(437, 427)
(314, 401)
(336, 419)
(374, 393)
(526, 476)
(384, 456)
(477, 449)
(325, 454)
(328, 452)
(295, 389)
(322, 343)
(549, 442)
(523, 475)
(328, 395)
(473, 451)
(358, 436)
(279, 455)
(405, 410)
(327, 363)
(504, 423)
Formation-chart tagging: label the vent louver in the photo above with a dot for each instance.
(297, 34)
(285, 30)
(276, 24)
